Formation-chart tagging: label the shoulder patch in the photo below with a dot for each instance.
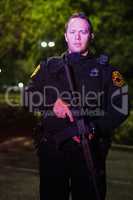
(103, 59)
(35, 71)
(117, 79)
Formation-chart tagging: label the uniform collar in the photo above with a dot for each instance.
(76, 58)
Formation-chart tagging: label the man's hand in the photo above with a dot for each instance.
(61, 110)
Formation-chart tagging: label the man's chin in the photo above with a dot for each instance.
(81, 51)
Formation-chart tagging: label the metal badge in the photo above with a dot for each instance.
(94, 72)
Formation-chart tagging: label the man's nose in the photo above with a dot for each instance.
(77, 36)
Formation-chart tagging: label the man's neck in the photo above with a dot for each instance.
(83, 53)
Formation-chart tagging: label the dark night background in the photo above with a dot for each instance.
(25, 28)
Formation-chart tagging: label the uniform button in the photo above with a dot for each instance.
(45, 139)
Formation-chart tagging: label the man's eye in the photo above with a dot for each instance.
(72, 31)
(84, 32)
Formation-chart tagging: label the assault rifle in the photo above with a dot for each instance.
(82, 130)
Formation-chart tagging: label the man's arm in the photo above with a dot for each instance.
(117, 105)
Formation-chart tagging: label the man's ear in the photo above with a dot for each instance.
(65, 37)
(92, 36)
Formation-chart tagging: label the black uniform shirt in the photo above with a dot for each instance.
(105, 102)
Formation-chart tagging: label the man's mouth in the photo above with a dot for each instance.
(77, 44)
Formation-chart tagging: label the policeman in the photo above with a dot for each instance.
(99, 90)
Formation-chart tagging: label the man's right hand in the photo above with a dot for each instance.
(61, 110)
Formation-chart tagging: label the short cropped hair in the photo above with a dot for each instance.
(80, 15)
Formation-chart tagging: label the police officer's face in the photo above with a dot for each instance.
(77, 35)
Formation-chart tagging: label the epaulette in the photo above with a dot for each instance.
(54, 63)
(53, 58)
(50, 60)
(103, 59)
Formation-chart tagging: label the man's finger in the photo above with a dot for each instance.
(69, 114)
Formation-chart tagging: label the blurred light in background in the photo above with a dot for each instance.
(51, 44)
(44, 44)
(20, 85)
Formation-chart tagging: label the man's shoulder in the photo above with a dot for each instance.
(52, 64)
(103, 60)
